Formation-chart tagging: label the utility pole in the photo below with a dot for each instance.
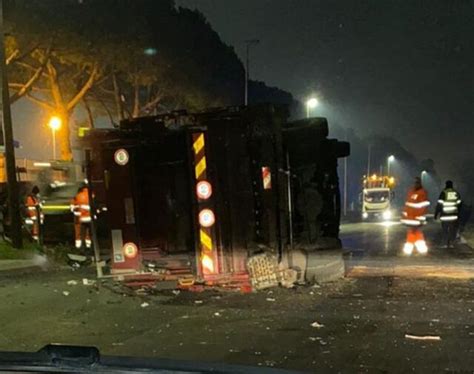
(12, 185)
(368, 161)
(248, 44)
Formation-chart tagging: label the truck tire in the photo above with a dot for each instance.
(324, 266)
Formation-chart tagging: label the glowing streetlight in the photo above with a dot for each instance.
(54, 123)
(390, 159)
(311, 104)
(424, 173)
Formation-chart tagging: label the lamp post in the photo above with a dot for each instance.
(423, 174)
(390, 159)
(10, 163)
(311, 104)
(55, 124)
(248, 44)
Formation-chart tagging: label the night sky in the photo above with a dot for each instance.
(402, 68)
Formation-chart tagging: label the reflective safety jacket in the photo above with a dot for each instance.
(80, 206)
(449, 204)
(33, 209)
(415, 208)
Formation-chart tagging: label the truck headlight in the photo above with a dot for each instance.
(387, 215)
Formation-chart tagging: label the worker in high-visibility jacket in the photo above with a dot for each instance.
(34, 216)
(414, 217)
(81, 209)
(448, 208)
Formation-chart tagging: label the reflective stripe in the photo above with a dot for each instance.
(77, 213)
(421, 246)
(421, 218)
(449, 203)
(448, 218)
(423, 204)
(458, 202)
(410, 222)
(85, 207)
(29, 221)
(408, 248)
(78, 243)
(85, 219)
(441, 202)
(31, 208)
(449, 209)
(88, 243)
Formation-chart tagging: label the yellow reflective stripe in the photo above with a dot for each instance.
(198, 144)
(205, 239)
(56, 207)
(200, 167)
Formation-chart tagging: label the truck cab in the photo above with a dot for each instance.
(376, 198)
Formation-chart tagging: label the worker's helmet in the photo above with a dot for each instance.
(35, 190)
(449, 184)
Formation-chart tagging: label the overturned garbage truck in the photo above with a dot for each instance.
(195, 196)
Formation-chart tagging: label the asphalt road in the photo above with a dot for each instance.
(353, 325)
(386, 239)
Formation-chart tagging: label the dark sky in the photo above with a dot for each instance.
(403, 68)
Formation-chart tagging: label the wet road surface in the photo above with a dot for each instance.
(375, 249)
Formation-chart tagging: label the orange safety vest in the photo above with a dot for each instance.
(415, 208)
(32, 204)
(81, 207)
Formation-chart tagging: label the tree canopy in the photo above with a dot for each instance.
(120, 58)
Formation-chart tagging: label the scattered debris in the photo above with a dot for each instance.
(144, 305)
(88, 282)
(66, 293)
(176, 292)
(198, 301)
(270, 299)
(313, 338)
(117, 344)
(71, 283)
(217, 314)
(426, 337)
(317, 325)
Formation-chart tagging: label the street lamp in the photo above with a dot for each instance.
(248, 44)
(311, 104)
(55, 123)
(423, 173)
(390, 159)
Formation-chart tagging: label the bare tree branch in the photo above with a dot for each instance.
(28, 85)
(27, 52)
(39, 102)
(9, 59)
(86, 87)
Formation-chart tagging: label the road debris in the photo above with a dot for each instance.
(317, 325)
(71, 283)
(176, 292)
(66, 293)
(425, 337)
(88, 282)
(198, 301)
(144, 305)
(270, 299)
(217, 314)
